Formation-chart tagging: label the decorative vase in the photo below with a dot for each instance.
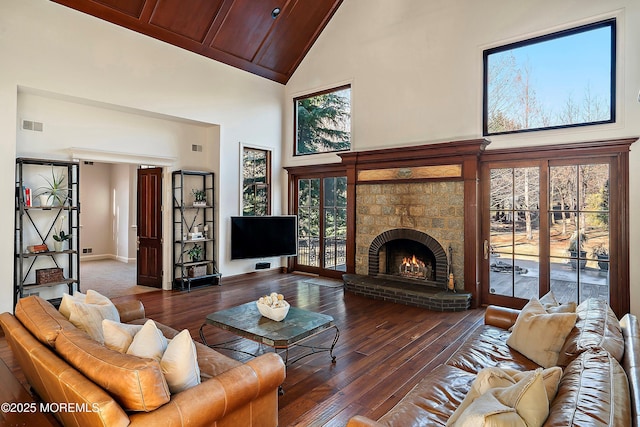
(57, 246)
(45, 200)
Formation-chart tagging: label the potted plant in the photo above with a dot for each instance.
(60, 236)
(195, 253)
(601, 252)
(576, 249)
(200, 197)
(54, 191)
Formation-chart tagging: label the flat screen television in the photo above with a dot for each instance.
(263, 236)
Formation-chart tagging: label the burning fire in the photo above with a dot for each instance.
(413, 267)
(412, 263)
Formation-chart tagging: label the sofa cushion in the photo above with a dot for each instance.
(523, 403)
(487, 347)
(41, 319)
(136, 383)
(67, 300)
(88, 315)
(179, 363)
(433, 400)
(596, 327)
(540, 335)
(148, 342)
(118, 336)
(593, 391)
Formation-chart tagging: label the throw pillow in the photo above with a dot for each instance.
(549, 300)
(148, 342)
(179, 363)
(539, 335)
(494, 377)
(67, 300)
(551, 304)
(118, 336)
(89, 315)
(521, 404)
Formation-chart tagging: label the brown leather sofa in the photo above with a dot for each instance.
(64, 365)
(600, 384)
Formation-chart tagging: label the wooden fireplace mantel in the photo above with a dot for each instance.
(454, 160)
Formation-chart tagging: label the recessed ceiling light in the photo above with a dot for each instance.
(275, 12)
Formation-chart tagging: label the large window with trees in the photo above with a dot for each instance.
(323, 121)
(256, 181)
(558, 80)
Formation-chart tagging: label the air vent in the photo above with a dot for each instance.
(31, 125)
(196, 147)
(88, 163)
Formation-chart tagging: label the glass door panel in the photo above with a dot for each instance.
(514, 232)
(579, 231)
(309, 222)
(335, 223)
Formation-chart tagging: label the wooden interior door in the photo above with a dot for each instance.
(149, 253)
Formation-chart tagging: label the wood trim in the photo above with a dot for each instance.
(413, 173)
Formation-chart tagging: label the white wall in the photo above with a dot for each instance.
(71, 57)
(95, 200)
(416, 72)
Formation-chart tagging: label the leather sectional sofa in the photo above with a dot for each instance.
(600, 383)
(64, 365)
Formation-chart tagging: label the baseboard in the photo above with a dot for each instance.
(107, 256)
(229, 280)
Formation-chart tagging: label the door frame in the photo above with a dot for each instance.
(313, 171)
(90, 155)
(617, 153)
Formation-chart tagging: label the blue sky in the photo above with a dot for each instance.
(566, 66)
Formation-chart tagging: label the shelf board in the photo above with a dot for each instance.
(45, 285)
(46, 253)
(193, 240)
(192, 263)
(48, 208)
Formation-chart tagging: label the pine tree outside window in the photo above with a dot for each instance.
(256, 181)
(323, 122)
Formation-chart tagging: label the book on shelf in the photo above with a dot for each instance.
(36, 249)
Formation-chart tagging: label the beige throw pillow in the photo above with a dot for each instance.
(67, 300)
(521, 404)
(494, 377)
(118, 336)
(89, 315)
(148, 342)
(539, 335)
(180, 363)
(551, 304)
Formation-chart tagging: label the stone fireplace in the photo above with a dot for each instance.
(416, 220)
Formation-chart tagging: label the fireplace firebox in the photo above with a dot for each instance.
(411, 255)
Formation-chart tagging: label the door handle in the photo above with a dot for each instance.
(486, 249)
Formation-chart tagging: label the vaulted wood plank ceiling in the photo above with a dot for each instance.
(246, 34)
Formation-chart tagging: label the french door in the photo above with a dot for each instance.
(550, 225)
(321, 206)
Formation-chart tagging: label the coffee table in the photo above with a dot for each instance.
(245, 321)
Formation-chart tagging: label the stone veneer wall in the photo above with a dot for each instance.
(435, 208)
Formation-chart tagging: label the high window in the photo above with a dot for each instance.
(256, 181)
(558, 80)
(323, 121)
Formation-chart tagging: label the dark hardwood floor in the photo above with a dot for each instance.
(383, 351)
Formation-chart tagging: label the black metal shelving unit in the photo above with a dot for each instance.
(34, 225)
(186, 217)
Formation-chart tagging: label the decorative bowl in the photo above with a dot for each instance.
(273, 313)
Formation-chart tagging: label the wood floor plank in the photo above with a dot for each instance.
(383, 351)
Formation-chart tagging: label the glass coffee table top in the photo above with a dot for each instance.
(245, 321)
